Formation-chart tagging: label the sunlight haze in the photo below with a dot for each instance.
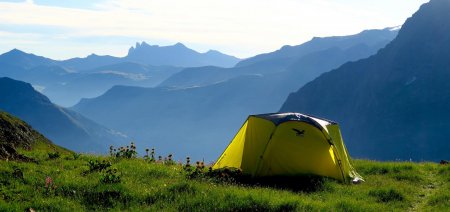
(64, 29)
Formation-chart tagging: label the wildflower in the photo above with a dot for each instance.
(48, 182)
(153, 154)
(146, 154)
(188, 161)
(111, 152)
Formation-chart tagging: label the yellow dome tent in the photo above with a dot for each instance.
(287, 144)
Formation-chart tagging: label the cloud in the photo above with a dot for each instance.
(239, 27)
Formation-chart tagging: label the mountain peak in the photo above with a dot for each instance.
(213, 52)
(27, 60)
(177, 55)
(179, 45)
(16, 52)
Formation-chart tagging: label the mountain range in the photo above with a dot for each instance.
(387, 88)
(201, 108)
(340, 49)
(393, 105)
(65, 82)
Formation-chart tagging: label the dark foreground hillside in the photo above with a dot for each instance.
(72, 182)
(16, 135)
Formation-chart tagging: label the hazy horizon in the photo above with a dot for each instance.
(66, 29)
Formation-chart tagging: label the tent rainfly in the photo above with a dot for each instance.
(288, 144)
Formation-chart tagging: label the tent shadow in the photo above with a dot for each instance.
(298, 183)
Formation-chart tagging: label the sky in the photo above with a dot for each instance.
(61, 29)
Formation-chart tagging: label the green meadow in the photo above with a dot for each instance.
(66, 181)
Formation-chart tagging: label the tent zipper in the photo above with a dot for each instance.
(264, 151)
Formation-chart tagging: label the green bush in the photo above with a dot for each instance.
(95, 165)
(76, 156)
(54, 155)
(110, 176)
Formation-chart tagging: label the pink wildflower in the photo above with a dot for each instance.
(48, 182)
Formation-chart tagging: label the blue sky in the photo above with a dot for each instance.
(63, 29)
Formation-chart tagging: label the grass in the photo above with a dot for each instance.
(78, 184)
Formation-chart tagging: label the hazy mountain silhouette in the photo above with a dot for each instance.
(393, 105)
(67, 81)
(21, 59)
(66, 86)
(358, 46)
(368, 37)
(64, 127)
(177, 55)
(90, 62)
(154, 55)
(95, 82)
(182, 121)
(204, 107)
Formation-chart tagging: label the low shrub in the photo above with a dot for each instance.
(95, 165)
(110, 176)
(54, 155)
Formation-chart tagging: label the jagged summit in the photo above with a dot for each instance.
(177, 55)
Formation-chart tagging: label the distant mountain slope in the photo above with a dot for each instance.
(17, 135)
(393, 105)
(66, 86)
(19, 58)
(318, 51)
(209, 104)
(67, 81)
(63, 126)
(90, 62)
(154, 55)
(16, 64)
(177, 55)
(180, 121)
(210, 113)
(367, 37)
(69, 90)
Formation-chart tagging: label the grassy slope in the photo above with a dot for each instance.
(24, 135)
(397, 186)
